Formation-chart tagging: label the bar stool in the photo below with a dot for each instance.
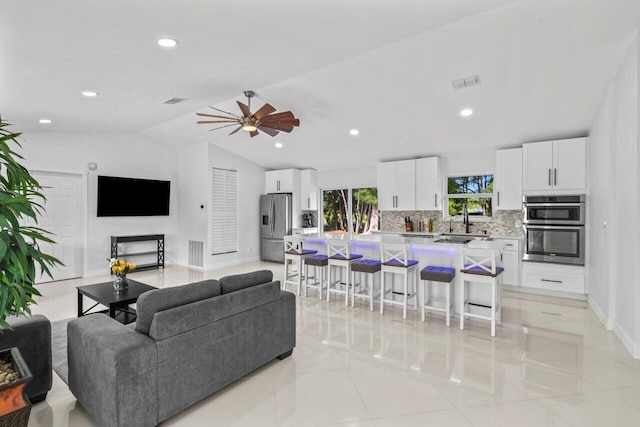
(480, 266)
(434, 274)
(316, 261)
(395, 260)
(370, 267)
(294, 253)
(340, 256)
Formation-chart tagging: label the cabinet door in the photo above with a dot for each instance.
(537, 165)
(569, 162)
(406, 185)
(386, 186)
(271, 179)
(508, 179)
(286, 181)
(511, 265)
(309, 190)
(428, 184)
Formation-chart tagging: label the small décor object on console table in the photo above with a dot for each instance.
(120, 267)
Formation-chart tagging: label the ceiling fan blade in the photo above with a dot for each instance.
(200, 122)
(226, 112)
(215, 116)
(268, 131)
(287, 115)
(286, 122)
(253, 133)
(221, 127)
(244, 109)
(265, 110)
(236, 130)
(287, 129)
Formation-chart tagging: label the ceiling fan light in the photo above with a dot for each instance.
(249, 128)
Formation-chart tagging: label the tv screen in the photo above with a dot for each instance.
(132, 197)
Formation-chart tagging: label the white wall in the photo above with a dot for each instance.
(614, 164)
(117, 154)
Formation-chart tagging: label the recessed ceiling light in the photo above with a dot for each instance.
(45, 121)
(279, 145)
(466, 112)
(167, 42)
(89, 93)
(354, 132)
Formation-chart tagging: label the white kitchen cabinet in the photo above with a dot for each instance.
(397, 186)
(428, 184)
(553, 277)
(282, 181)
(507, 184)
(511, 261)
(309, 190)
(554, 165)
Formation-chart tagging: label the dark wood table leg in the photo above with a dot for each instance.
(79, 304)
(112, 311)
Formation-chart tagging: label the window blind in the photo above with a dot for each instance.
(224, 211)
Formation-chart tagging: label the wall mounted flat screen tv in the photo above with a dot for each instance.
(132, 197)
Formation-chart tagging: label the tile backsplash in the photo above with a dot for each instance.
(504, 222)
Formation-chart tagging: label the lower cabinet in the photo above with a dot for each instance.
(553, 277)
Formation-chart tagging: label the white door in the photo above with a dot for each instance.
(406, 185)
(62, 216)
(386, 186)
(569, 162)
(428, 184)
(508, 179)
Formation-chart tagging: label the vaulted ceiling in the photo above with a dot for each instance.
(384, 67)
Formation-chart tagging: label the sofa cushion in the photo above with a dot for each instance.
(157, 300)
(240, 281)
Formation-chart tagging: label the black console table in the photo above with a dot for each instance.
(159, 252)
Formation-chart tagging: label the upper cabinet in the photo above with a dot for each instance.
(554, 165)
(309, 190)
(397, 186)
(282, 181)
(428, 184)
(507, 185)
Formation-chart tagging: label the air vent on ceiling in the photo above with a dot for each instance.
(175, 100)
(466, 82)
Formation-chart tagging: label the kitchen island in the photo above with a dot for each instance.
(427, 249)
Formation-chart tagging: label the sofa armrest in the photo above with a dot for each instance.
(113, 371)
(288, 310)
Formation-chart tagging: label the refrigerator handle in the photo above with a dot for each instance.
(272, 214)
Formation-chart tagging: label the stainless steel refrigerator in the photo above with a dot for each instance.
(275, 223)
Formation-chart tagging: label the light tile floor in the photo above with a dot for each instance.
(551, 364)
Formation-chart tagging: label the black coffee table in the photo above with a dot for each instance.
(117, 301)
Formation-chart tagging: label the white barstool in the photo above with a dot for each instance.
(317, 261)
(395, 260)
(434, 274)
(364, 289)
(480, 266)
(294, 253)
(340, 256)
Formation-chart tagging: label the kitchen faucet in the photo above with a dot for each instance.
(451, 224)
(465, 219)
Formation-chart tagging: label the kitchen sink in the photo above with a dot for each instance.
(453, 239)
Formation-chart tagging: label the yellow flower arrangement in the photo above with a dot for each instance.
(121, 267)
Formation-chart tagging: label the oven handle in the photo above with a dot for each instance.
(554, 227)
(552, 204)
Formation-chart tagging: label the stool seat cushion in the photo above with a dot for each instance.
(366, 266)
(438, 274)
(481, 272)
(317, 260)
(302, 252)
(340, 257)
(396, 263)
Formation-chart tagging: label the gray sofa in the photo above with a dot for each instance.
(32, 336)
(188, 342)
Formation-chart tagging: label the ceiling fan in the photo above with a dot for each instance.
(262, 120)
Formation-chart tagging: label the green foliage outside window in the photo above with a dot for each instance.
(469, 190)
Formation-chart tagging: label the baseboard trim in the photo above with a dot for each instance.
(602, 317)
(627, 342)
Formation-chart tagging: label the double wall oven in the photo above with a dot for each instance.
(554, 229)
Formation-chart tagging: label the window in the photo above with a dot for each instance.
(474, 191)
(224, 211)
(358, 204)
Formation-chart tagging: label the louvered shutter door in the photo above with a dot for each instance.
(224, 211)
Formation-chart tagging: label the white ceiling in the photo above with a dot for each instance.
(382, 66)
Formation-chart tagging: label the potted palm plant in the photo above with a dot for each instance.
(21, 201)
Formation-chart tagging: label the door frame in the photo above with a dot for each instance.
(84, 197)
